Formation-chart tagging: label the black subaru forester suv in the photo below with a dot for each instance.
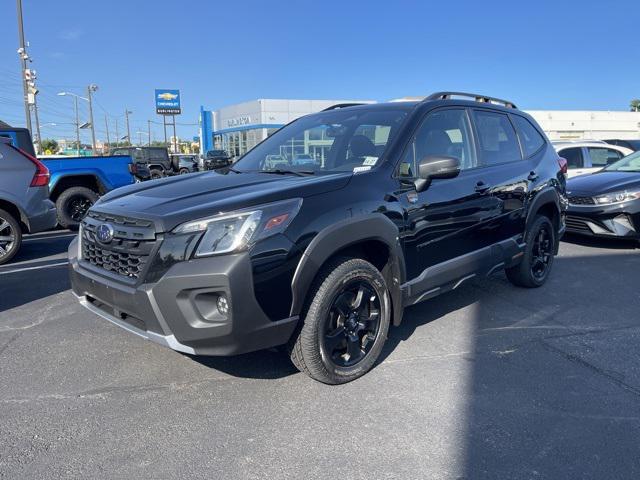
(394, 204)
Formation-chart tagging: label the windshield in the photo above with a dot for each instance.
(630, 163)
(333, 141)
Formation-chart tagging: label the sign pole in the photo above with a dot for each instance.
(164, 122)
(175, 138)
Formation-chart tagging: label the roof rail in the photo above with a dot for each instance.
(342, 105)
(477, 97)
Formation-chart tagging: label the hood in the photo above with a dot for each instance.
(603, 182)
(175, 200)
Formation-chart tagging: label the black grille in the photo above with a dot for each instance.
(130, 250)
(576, 224)
(581, 201)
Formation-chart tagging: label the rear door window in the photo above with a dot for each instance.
(573, 156)
(496, 138)
(601, 157)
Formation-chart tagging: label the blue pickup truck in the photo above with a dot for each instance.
(77, 182)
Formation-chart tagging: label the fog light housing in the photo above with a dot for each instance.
(223, 305)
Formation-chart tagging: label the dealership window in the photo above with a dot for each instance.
(497, 138)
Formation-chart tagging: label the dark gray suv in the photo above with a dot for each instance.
(24, 198)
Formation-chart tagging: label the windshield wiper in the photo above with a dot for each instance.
(299, 173)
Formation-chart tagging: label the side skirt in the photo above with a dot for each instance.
(449, 275)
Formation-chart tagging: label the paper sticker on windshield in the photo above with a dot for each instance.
(370, 161)
(361, 169)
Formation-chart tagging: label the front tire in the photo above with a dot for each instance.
(73, 204)
(10, 237)
(345, 324)
(535, 267)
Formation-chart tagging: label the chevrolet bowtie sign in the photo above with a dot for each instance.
(168, 102)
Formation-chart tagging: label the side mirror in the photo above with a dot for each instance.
(436, 166)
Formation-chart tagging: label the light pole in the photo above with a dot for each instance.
(126, 114)
(106, 124)
(140, 133)
(75, 98)
(22, 51)
(91, 89)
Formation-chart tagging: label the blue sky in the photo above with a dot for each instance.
(542, 54)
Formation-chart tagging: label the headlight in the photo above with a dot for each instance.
(232, 232)
(616, 197)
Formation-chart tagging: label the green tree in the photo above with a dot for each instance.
(635, 105)
(48, 144)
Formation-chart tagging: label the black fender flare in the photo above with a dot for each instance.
(546, 196)
(343, 234)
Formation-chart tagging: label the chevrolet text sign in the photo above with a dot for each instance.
(168, 102)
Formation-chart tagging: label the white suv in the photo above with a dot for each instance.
(588, 156)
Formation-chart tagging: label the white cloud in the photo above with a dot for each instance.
(70, 34)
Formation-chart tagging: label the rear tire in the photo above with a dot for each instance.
(537, 261)
(10, 237)
(184, 171)
(156, 173)
(73, 204)
(345, 323)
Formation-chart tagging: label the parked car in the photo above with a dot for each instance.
(215, 159)
(589, 156)
(324, 258)
(630, 144)
(607, 203)
(184, 163)
(156, 159)
(24, 198)
(77, 182)
(303, 159)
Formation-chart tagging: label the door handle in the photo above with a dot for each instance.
(482, 187)
(533, 176)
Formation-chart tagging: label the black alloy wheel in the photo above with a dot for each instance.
(352, 324)
(77, 207)
(541, 253)
(344, 326)
(535, 264)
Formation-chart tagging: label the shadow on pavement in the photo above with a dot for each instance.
(22, 287)
(553, 391)
(266, 364)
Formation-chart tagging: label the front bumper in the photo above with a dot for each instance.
(180, 310)
(620, 220)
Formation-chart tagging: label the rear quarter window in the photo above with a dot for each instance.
(530, 138)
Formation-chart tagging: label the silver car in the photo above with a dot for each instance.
(588, 156)
(24, 198)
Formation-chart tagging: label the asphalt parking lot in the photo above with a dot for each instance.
(489, 381)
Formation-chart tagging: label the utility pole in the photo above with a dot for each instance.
(126, 114)
(149, 132)
(22, 52)
(75, 99)
(90, 89)
(117, 134)
(35, 111)
(106, 124)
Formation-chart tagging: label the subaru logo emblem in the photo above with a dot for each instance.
(104, 233)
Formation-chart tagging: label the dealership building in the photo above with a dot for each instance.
(238, 128)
